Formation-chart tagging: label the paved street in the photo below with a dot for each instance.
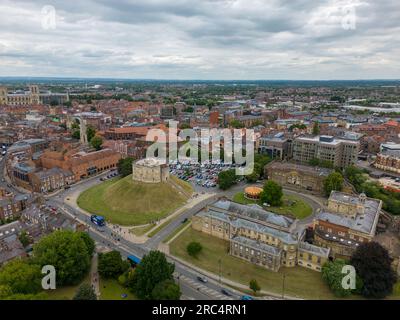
(110, 238)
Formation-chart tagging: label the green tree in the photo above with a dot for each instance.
(373, 264)
(272, 193)
(90, 132)
(125, 166)
(85, 292)
(194, 248)
(111, 264)
(5, 291)
(236, 124)
(89, 242)
(333, 276)
(76, 134)
(226, 179)
(67, 252)
(254, 286)
(256, 174)
(166, 290)
(316, 129)
(152, 269)
(24, 238)
(334, 181)
(21, 277)
(96, 142)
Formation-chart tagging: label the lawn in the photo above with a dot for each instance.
(300, 282)
(126, 202)
(67, 292)
(110, 289)
(176, 231)
(141, 230)
(292, 205)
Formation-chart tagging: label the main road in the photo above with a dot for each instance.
(109, 237)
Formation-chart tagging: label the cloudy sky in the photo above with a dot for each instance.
(202, 39)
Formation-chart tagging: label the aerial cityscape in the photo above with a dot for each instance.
(237, 158)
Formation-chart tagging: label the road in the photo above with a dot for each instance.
(109, 237)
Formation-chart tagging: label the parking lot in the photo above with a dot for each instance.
(202, 175)
(112, 174)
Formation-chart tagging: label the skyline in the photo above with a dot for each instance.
(212, 40)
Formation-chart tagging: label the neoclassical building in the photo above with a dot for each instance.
(150, 170)
(258, 236)
(348, 221)
(297, 176)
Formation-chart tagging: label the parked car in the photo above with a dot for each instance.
(225, 292)
(202, 279)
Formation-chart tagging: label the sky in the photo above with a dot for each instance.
(203, 39)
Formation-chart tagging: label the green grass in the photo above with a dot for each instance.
(159, 228)
(126, 202)
(291, 205)
(139, 231)
(176, 231)
(183, 184)
(67, 292)
(299, 282)
(110, 289)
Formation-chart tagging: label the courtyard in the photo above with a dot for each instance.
(292, 205)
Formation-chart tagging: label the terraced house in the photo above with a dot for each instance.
(258, 236)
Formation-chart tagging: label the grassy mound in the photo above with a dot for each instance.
(127, 202)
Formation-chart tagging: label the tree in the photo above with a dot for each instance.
(24, 238)
(272, 193)
(194, 248)
(315, 129)
(373, 264)
(111, 264)
(226, 179)
(85, 292)
(5, 291)
(236, 124)
(333, 276)
(153, 269)
(254, 286)
(96, 142)
(90, 244)
(334, 181)
(255, 175)
(67, 252)
(90, 132)
(125, 166)
(20, 277)
(166, 290)
(76, 134)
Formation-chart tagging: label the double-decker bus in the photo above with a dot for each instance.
(98, 220)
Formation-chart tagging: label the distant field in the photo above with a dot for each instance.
(126, 202)
(292, 205)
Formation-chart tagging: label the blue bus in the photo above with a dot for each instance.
(98, 220)
(134, 261)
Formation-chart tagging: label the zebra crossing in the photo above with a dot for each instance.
(204, 289)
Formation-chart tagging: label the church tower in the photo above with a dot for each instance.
(3, 95)
(34, 92)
